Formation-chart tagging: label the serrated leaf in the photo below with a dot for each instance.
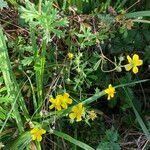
(27, 61)
(97, 65)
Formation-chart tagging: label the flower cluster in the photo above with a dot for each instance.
(110, 91)
(36, 134)
(77, 112)
(134, 62)
(70, 56)
(92, 115)
(60, 102)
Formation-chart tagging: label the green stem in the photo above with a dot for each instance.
(40, 6)
(40, 74)
(38, 145)
(39, 64)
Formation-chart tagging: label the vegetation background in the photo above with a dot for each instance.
(49, 47)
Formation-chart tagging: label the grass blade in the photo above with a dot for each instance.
(21, 142)
(140, 121)
(138, 14)
(10, 82)
(72, 140)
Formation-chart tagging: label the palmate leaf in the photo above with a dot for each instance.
(29, 13)
(49, 20)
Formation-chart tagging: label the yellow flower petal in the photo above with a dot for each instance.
(108, 98)
(64, 105)
(129, 59)
(80, 105)
(34, 130)
(133, 63)
(74, 109)
(79, 118)
(66, 95)
(39, 138)
(69, 101)
(139, 63)
(33, 137)
(106, 91)
(135, 57)
(36, 134)
(70, 56)
(51, 100)
(77, 112)
(135, 70)
(83, 110)
(42, 131)
(72, 116)
(128, 67)
(110, 86)
(112, 95)
(58, 107)
(110, 91)
(51, 107)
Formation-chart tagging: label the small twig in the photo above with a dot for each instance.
(141, 21)
(40, 6)
(14, 25)
(145, 145)
(132, 5)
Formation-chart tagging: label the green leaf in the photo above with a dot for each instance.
(72, 140)
(11, 85)
(3, 4)
(21, 142)
(5, 99)
(3, 113)
(27, 61)
(97, 65)
(108, 146)
(138, 14)
(140, 121)
(112, 135)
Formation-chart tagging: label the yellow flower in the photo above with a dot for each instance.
(77, 112)
(110, 91)
(56, 103)
(60, 102)
(70, 56)
(133, 63)
(92, 114)
(36, 134)
(65, 100)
